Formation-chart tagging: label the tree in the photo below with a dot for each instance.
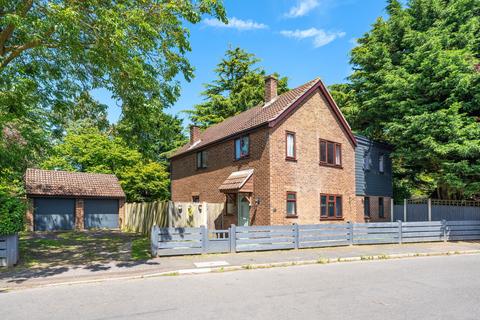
(89, 150)
(155, 135)
(416, 86)
(53, 52)
(239, 86)
(84, 111)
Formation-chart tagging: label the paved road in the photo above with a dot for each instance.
(419, 288)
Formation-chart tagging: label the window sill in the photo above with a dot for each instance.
(199, 169)
(332, 219)
(291, 216)
(291, 159)
(330, 165)
(242, 158)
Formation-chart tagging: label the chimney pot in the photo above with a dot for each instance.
(271, 83)
(194, 133)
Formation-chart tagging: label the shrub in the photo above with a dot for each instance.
(12, 213)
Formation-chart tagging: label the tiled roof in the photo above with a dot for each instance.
(62, 183)
(252, 118)
(236, 180)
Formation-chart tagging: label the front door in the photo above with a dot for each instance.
(243, 210)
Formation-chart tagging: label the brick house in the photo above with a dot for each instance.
(291, 159)
(60, 200)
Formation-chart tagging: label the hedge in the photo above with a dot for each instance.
(12, 213)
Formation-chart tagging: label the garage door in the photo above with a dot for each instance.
(54, 214)
(101, 214)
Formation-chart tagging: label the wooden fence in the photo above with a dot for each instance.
(436, 210)
(141, 216)
(8, 250)
(180, 241)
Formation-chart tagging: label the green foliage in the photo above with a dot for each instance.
(239, 86)
(89, 150)
(415, 86)
(12, 213)
(155, 135)
(52, 53)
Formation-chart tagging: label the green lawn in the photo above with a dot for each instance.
(51, 249)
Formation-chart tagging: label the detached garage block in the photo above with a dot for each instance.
(60, 200)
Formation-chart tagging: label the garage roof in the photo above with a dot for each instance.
(72, 184)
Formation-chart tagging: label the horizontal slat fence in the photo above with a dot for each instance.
(180, 241)
(324, 235)
(258, 238)
(436, 210)
(9, 250)
(376, 233)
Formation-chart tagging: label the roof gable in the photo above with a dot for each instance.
(72, 184)
(269, 114)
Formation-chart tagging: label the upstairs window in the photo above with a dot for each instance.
(202, 159)
(367, 161)
(331, 206)
(242, 147)
(330, 153)
(381, 163)
(291, 152)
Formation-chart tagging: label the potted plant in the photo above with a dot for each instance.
(12, 214)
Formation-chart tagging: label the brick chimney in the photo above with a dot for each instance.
(270, 88)
(194, 133)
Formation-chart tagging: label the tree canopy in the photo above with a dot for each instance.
(54, 53)
(416, 85)
(239, 86)
(89, 150)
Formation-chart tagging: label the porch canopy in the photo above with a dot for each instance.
(238, 181)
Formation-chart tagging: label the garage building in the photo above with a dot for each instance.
(60, 200)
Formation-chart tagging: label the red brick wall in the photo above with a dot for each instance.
(374, 211)
(187, 180)
(79, 214)
(310, 122)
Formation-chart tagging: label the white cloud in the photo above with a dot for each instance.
(234, 23)
(320, 37)
(302, 8)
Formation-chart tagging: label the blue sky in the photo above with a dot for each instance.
(300, 39)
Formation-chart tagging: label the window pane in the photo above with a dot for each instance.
(199, 159)
(323, 151)
(323, 206)
(381, 163)
(330, 152)
(237, 149)
(291, 208)
(331, 208)
(338, 155)
(339, 206)
(291, 196)
(204, 159)
(381, 212)
(366, 206)
(244, 146)
(290, 145)
(366, 160)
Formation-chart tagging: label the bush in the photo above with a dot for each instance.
(12, 213)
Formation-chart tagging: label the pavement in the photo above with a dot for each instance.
(121, 270)
(427, 288)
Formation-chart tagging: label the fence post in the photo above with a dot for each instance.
(405, 210)
(204, 232)
(429, 209)
(154, 240)
(296, 235)
(350, 232)
(400, 240)
(444, 227)
(391, 209)
(233, 238)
